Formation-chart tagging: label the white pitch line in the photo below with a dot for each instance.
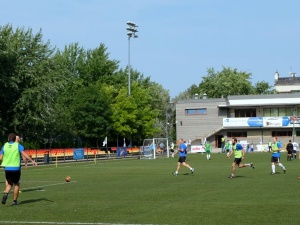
(65, 223)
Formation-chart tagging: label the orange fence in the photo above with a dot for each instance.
(68, 152)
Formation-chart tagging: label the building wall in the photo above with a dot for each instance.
(256, 135)
(196, 127)
(210, 126)
(287, 88)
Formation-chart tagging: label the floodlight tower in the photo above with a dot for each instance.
(131, 30)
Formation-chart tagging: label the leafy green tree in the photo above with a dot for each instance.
(97, 66)
(227, 82)
(187, 94)
(263, 87)
(26, 72)
(133, 116)
(73, 94)
(90, 111)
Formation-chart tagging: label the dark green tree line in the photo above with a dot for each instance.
(48, 94)
(226, 82)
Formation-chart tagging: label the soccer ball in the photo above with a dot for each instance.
(68, 179)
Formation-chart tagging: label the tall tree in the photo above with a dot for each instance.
(263, 87)
(26, 72)
(227, 82)
(98, 66)
(90, 111)
(132, 116)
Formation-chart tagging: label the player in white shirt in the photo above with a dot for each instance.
(295, 149)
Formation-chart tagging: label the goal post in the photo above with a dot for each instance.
(155, 148)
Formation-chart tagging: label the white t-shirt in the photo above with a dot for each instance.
(295, 146)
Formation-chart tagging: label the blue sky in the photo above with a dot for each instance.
(178, 39)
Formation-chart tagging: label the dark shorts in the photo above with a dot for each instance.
(275, 160)
(182, 159)
(294, 151)
(237, 161)
(290, 152)
(172, 150)
(13, 177)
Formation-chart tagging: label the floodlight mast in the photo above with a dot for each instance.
(131, 33)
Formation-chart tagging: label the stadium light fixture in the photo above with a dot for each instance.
(131, 33)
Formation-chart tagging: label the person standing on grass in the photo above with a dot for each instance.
(18, 139)
(270, 146)
(227, 147)
(239, 155)
(289, 149)
(207, 149)
(11, 161)
(182, 157)
(223, 144)
(295, 149)
(251, 147)
(276, 148)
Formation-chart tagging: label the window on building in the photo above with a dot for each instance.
(289, 112)
(236, 134)
(199, 111)
(281, 112)
(275, 112)
(245, 112)
(282, 133)
(267, 112)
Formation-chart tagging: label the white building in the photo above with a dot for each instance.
(287, 84)
(252, 118)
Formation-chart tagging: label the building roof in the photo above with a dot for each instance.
(287, 81)
(208, 100)
(250, 100)
(262, 100)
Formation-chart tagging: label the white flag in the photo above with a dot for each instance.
(105, 141)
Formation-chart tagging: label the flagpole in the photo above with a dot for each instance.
(105, 144)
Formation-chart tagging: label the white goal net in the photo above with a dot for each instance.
(154, 148)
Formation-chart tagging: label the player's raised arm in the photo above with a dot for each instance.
(26, 156)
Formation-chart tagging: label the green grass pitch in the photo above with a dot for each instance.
(133, 191)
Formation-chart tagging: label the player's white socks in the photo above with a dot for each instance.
(273, 168)
(282, 166)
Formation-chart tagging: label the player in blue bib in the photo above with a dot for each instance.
(182, 157)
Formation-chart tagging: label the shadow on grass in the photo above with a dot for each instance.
(239, 177)
(34, 200)
(236, 177)
(185, 174)
(276, 173)
(32, 189)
